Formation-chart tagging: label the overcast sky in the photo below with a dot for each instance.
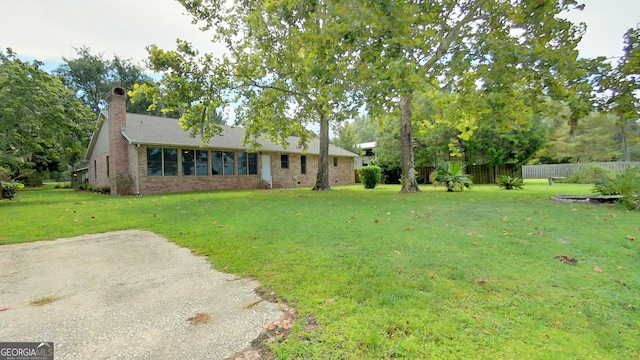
(47, 30)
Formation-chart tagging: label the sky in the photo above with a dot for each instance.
(48, 30)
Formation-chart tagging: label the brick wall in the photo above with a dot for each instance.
(118, 147)
(98, 170)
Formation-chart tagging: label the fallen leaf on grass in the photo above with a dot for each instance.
(353, 217)
(220, 226)
(474, 243)
(482, 281)
(397, 252)
(629, 237)
(331, 300)
(376, 221)
(407, 228)
(505, 219)
(598, 269)
(566, 259)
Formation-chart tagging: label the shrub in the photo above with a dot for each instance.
(590, 175)
(452, 175)
(626, 184)
(509, 183)
(370, 176)
(9, 189)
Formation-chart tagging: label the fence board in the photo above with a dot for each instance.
(546, 171)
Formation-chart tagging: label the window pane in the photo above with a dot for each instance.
(335, 161)
(188, 162)
(228, 163)
(242, 163)
(253, 163)
(284, 161)
(170, 162)
(154, 162)
(216, 162)
(202, 163)
(303, 164)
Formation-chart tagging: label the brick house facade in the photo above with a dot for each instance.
(142, 154)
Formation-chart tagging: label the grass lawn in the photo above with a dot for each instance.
(469, 275)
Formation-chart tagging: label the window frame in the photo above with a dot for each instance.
(284, 161)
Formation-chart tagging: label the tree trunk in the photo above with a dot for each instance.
(409, 183)
(322, 180)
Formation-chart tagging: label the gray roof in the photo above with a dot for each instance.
(155, 130)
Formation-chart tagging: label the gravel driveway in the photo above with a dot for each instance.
(126, 295)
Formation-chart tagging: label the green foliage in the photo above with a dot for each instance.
(44, 127)
(590, 175)
(105, 190)
(452, 175)
(626, 184)
(9, 189)
(92, 76)
(507, 182)
(370, 176)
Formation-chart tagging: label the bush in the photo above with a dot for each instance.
(509, 183)
(626, 184)
(590, 175)
(370, 176)
(9, 189)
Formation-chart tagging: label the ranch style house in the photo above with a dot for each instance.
(137, 154)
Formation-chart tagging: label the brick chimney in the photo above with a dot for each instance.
(118, 148)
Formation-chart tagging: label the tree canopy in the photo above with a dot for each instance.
(92, 76)
(43, 125)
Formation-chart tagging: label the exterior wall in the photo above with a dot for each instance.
(97, 169)
(293, 177)
(282, 178)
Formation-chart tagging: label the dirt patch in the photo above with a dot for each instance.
(127, 294)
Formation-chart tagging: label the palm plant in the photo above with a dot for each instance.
(451, 174)
(509, 183)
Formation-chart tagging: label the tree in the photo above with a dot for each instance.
(43, 125)
(361, 130)
(407, 45)
(620, 86)
(93, 76)
(285, 69)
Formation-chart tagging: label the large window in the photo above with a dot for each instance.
(216, 163)
(284, 161)
(229, 163)
(170, 162)
(194, 162)
(303, 164)
(252, 163)
(162, 162)
(154, 161)
(222, 163)
(247, 163)
(188, 162)
(202, 162)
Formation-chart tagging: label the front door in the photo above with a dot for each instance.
(266, 169)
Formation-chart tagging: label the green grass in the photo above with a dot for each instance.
(467, 275)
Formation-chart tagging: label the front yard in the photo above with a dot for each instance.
(378, 274)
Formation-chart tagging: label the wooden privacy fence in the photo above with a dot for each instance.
(565, 170)
(480, 174)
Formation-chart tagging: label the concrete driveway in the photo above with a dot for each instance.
(126, 295)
